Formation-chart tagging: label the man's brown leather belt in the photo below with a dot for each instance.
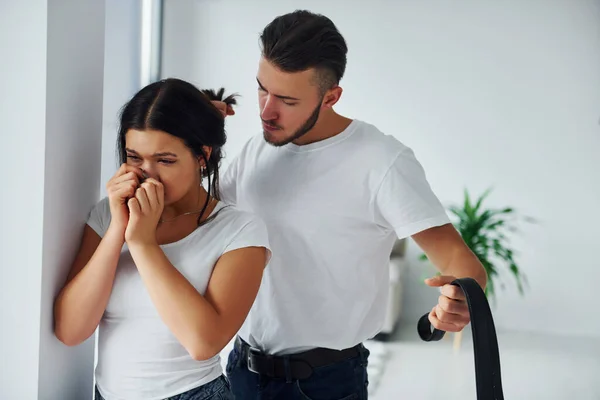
(300, 365)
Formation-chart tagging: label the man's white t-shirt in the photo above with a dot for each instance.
(333, 210)
(138, 356)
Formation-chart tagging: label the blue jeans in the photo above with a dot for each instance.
(217, 389)
(345, 380)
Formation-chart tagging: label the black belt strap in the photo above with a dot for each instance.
(485, 342)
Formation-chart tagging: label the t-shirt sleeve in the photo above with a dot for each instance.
(253, 233)
(405, 201)
(99, 217)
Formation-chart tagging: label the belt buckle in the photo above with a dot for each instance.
(252, 351)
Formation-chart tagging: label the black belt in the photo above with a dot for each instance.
(485, 342)
(299, 366)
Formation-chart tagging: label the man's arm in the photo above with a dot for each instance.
(452, 257)
(406, 203)
(446, 249)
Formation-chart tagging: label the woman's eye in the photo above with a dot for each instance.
(167, 161)
(132, 157)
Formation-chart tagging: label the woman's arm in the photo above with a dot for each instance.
(82, 301)
(202, 324)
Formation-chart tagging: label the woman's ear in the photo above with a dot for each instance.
(207, 152)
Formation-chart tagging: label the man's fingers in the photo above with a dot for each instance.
(447, 289)
(453, 292)
(451, 314)
(224, 108)
(440, 280)
(450, 318)
(443, 326)
(453, 306)
(221, 106)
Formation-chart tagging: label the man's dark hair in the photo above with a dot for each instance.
(302, 40)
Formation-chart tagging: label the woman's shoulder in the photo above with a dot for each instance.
(102, 206)
(233, 215)
(99, 216)
(103, 202)
(236, 218)
(241, 225)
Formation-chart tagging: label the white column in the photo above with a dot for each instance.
(51, 69)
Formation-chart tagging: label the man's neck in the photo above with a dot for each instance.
(329, 125)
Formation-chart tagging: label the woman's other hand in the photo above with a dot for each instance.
(145, 210)
(120, 188)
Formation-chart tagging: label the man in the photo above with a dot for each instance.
(335, 193)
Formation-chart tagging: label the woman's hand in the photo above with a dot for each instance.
(120, 188)
(145, 210)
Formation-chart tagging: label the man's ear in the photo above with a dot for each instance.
(332, 96)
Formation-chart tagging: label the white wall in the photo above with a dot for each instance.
(51, 111)
(487, 93)
(121, 75)
(22, 112)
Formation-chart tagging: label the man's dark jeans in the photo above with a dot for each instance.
(345, 380)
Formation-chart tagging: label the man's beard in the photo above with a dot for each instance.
(303, 130)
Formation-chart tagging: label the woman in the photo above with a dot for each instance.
(165, 270)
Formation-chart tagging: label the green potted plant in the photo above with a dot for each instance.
(486, 231)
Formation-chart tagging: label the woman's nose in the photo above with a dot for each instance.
(149, 172)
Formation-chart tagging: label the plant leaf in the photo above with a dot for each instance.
(485, 232)
(481, 198)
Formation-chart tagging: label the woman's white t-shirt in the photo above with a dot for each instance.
(138, 356)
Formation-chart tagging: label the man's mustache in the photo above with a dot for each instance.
(270, 124)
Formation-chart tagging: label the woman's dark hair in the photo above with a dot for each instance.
(301, 40)
(180, 109)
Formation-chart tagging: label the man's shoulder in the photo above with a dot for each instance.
(377, 144)
(253, 144)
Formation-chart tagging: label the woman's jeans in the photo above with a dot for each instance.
(218, 389)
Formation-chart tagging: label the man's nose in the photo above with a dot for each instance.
(269, 111)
